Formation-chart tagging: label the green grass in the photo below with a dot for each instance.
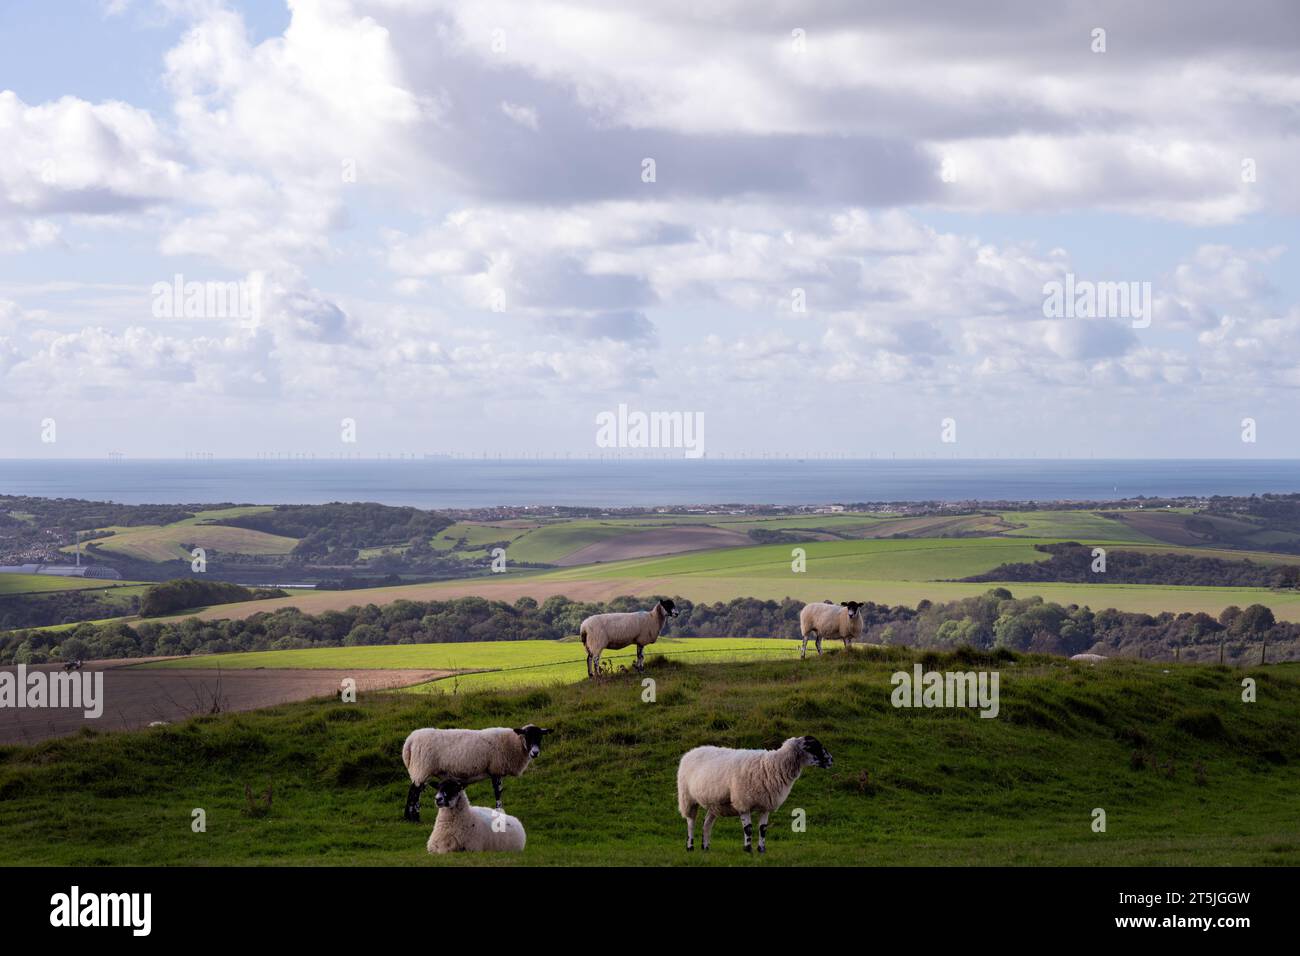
(896, 559)
(476, 536)
(551, 542)
(167, 542)
(1187, 774)
(1076, 525)
(509, 663)
(45, 583)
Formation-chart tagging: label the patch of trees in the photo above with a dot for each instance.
(1072, 562)
(63, 607)
(338, 527)
(182, 594)
(997, 619)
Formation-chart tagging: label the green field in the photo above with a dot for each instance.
(476, 536)
(1073, 525)
(552, 542)
(45, 583)
(897, 559)
(1187, 773)
(167, 542)
(508, 663)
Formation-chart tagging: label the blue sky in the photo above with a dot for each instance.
(440, 220)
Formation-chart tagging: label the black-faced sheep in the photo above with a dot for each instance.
(461, 827)
(468, 756)
(602, 632)
(730, 783)
(843, 621)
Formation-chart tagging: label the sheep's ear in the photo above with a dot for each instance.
(545, 730)
(520, 731)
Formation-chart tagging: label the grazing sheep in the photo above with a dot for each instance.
(460, 827)
(602, 632)
(469, 756)
(1090, 658)
(841, 621)
(730, 783)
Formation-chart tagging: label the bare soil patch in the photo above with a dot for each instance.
(135, 697)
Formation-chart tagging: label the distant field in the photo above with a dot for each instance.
(873, 559)
(477, 535)
(509, 663)
(169, 543)
(1172, 527)
(164, 542)
(1077, 525)
(43, 583)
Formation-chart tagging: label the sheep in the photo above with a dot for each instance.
(828, 620)
(602, 632)
(469, 756)
(460, 827)
(730, 783)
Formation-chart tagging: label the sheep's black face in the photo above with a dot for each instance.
(670, 609)
(853, 606)
(819, 754)
(532, 737)
(448, 791)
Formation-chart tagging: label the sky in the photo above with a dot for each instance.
(468, 228)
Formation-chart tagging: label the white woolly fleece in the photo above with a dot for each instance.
(731, 782)
(467, 755)
(462, 827)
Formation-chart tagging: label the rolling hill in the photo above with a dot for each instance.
(1162, 750)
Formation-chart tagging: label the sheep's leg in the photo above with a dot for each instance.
(690, 829)
(412, 812)
(803, 651)
(819, 644)
(496, 790)
(595, 665)
(589, 673)
(762, 831)
(640, 659)
(709, 819)
(749, 832)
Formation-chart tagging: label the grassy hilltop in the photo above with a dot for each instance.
(1186, 772)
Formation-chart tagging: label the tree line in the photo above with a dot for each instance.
(991, 620)
(1074, 562)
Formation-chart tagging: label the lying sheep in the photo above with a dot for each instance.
(602, 632)
(730, 783)
(828, 620)
(464, 828)
(469, 756)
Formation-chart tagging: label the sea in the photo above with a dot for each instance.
(631, 482)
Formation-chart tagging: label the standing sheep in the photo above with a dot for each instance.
(469, 756)
(730, 783)
(461, 827)
(602, 632)
(828, 620)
